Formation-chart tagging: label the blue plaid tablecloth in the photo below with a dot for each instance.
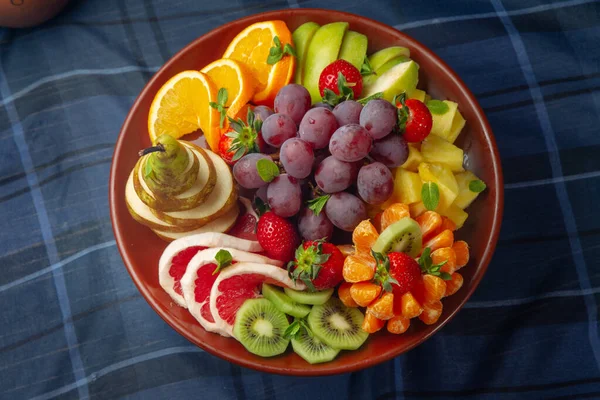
(72, 324)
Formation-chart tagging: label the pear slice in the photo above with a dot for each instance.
(301, 38)
(191, 198)
(220, 225)
(354, 48)
(220, 200)
(400, 78)
(322, 51)
(141, 212)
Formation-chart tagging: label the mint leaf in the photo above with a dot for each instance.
(277, 52)
(430, 195)
(475, 186)
(437, 107)
(292, 330)
(366, 68)
(222, 97)
(317, 204)
(147, 169)
(378, 95)
(289, 50)
(224, 259)
(267, 169)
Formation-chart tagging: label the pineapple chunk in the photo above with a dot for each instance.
(445, 180)
(414, 158)
(416, 209)
(458, 123)
(418, 94)
(456, 214)
(443, 123)
(407, 186)
(465, 196)
(437, 150)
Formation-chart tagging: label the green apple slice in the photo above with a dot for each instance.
(322, 51)
(301, 38)
(379, 58)
(402, 77)
(354, 48)
(370, 79)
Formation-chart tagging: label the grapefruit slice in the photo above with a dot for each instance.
(245, 226)
(241, 282)
(174, 260)
(198, 280)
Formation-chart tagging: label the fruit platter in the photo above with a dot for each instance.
(306, 193)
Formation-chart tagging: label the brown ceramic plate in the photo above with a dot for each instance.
(141, 249)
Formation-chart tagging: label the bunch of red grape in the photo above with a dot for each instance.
(340, 156)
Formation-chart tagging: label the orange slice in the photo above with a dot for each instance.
(239, 81)
(181, 106)
(251, 47)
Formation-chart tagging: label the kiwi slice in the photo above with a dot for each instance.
(260, 326)
(283, 302)
(337, 326)
(403, 236)
(309, 347)
(313, 298)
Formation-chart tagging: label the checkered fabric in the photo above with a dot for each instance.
(72, 324)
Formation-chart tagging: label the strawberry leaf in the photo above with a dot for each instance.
(317, 204)
(366, 68)
(224, 259)
(475, 186)
(446, 276)
(267, 169)
(260, 206)
(427, 266)
(430, 195)
(307, 264)
(437, 107)
(400, 102)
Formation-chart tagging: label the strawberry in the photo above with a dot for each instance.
(405, 270)
(242, 138)
(277, 236)
(340, 81)
(414, 118)
(318, 264)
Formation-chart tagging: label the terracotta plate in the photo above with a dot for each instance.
(141, 249)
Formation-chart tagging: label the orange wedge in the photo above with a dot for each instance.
(237, 79)
(251, 47)
(181, 106)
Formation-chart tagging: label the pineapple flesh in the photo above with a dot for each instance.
(437, 150)
(414, 158)
(445, 180)
(465, 195)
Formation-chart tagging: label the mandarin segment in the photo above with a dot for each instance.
(446, 254)
(363, 236)
(442, 239)
(345, 296)
(358, 268)
(429, 222)
(409, 306)
(447, 223)
(454, 284)
(435, 287)
(461, 249)
(394, 213)
(372, 324)
(398, 325)
(383, 307)
(363, 293)
(431, 312)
